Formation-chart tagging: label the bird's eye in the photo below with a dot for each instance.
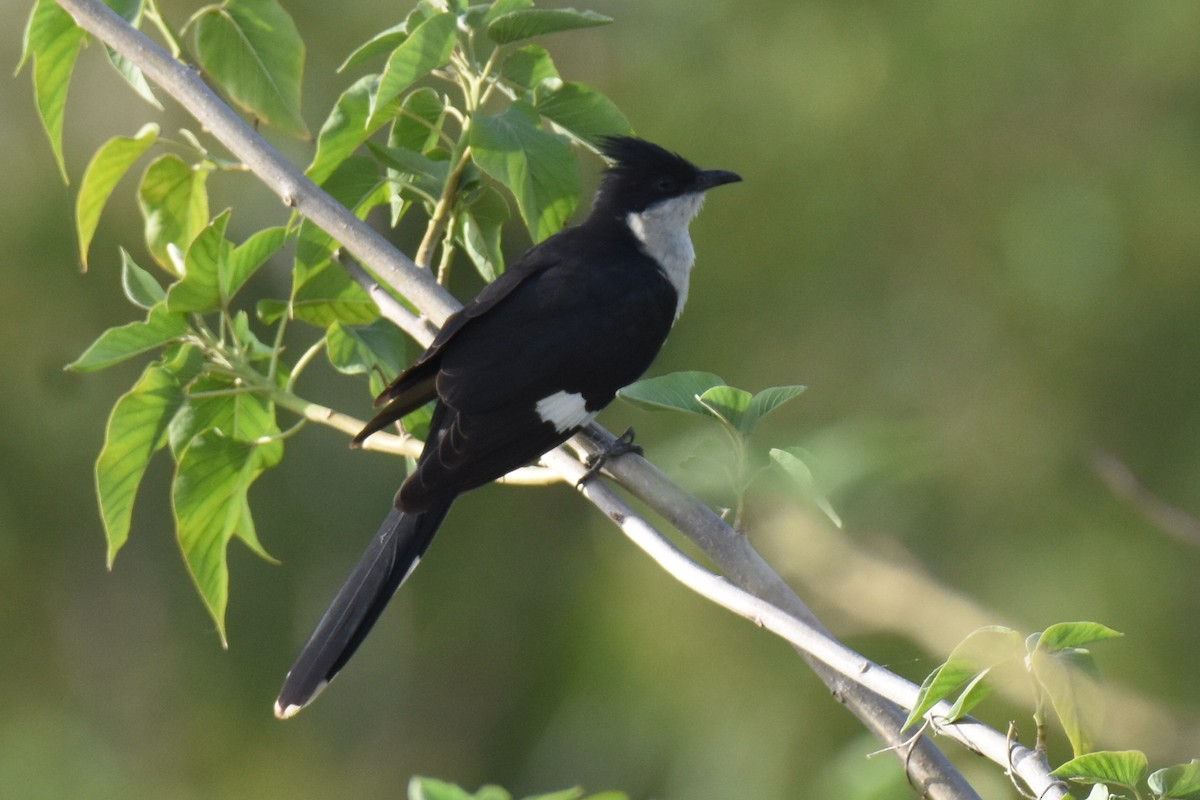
(664, 184)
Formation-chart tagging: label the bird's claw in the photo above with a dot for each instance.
(621, 445)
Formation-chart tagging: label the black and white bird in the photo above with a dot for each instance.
(520, 369)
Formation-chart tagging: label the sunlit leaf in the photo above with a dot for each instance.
(104, 171)
(118, 344)
(729, 405)
(385, 41)
(1067, 635)
(420, 788)
(131, 12)
(1180, 782)
(216, 402)
(139, 285)
(1068, 678)
(501, 7)
(426, 48)
(174, 204)
(199, 292)
(208, 497)
(536, 166)
(767, 401)
(1124, 768)
(676, 391)
(247, 258)
(347, 127)
(322, 292)
(793, 461)
(136, 429)
(982, 650)
(254, 51)
(52, 40)
(528, 22)
(583, 111)
(528, 67)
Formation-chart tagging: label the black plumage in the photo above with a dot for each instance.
(520, 369)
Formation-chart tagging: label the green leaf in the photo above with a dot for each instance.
(139, 285)
(793, 462)
(565, 794)
(1068, 635)
(253, 50)
(676, 391)
(136, 429)
(420, 788)
(537, 167)
(429, 46)
(1124, 768)
(502, 7)
(767, 401)
(174, 204)
(528, 67)
(383, 42)
(254, 348)
(413, 170)
(53, 40)
(329, 295)
(729, 405)
(322, 292)
(131, 12)
(104, 171)
(247, 258)
(483, 224)
(209, 500)
(271, 310)
(416, 127)
(982, 650)
(583, 111)
(216, 402)
(118, 344)
(199, 292)
(1068, 678)
(974, 693)
(347, 127)
(363, 349)
(529, 22)
(1180, 782)
(491, 792)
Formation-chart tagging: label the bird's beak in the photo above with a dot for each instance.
(711, 178)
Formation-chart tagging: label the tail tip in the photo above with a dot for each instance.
(286, 712)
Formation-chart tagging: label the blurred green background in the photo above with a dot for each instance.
(972, 229)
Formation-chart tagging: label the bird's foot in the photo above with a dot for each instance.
(621, 445)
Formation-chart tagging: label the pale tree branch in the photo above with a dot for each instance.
(1123, 483)
(753, 588)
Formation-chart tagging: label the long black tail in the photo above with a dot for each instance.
(394, 552)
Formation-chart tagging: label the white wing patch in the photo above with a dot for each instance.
(565, 411)
(663, 231)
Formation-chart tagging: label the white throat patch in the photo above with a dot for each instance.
(663, 231)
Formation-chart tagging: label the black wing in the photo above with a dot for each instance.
(495, 368)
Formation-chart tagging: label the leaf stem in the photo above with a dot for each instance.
(304, 361)
(441, 212)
